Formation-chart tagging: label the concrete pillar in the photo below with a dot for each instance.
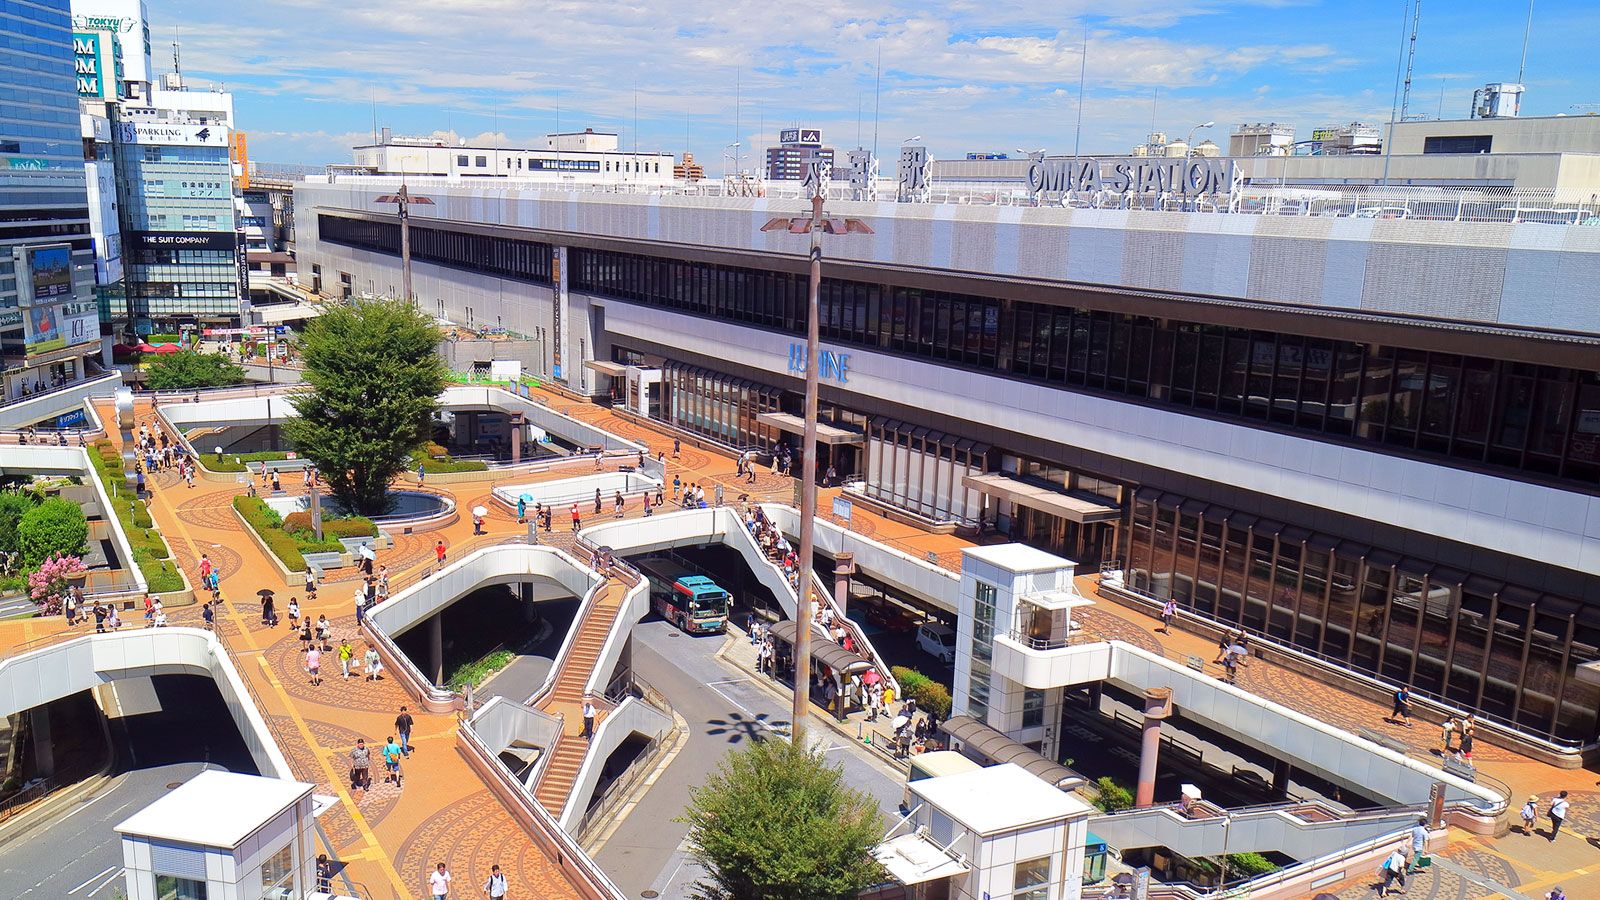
(1282, 771)
(515, 431)
(436, 649)
(44, 757)
(844, 565)
(1157, 706)
(1096, 689)
(525, 594)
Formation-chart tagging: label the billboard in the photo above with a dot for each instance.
(172, 135)
(52, 327)
(183, 240)
(95, 56)
(49, 273)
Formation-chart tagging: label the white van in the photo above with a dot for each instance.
(937, 640)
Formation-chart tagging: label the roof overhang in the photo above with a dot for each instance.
(1080, 508)
(826, 434)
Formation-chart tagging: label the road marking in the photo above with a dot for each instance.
(728, 681)
(754, 716)
(107, 883)
(96, 876)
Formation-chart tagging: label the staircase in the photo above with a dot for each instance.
(566, 697)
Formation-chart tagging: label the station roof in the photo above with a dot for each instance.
(999, 798)
(215, 809)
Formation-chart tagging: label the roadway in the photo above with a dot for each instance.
(724, 708)
(34, 865)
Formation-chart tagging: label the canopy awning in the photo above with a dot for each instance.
(824, 651)
(606, 367)
(913, 859)
(993, 745)
(1081, 508)
(827, 434)
(286, 312)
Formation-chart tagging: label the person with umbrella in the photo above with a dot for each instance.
(522, 509)
(478, 512)
(269, 616)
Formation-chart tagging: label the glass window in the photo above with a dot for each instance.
(173, 887)
(1033, 707)
(1032, 879)
(277, 875)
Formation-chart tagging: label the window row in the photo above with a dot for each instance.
(1484, 646)
(522, 260)
(1525, 418)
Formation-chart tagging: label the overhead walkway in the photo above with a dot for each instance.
(1297, 830)
(900, 570)
(22, 413)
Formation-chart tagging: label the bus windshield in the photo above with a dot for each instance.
(709, 604)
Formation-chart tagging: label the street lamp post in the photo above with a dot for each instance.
(1188, 146)
(815, 225)
(402, 202)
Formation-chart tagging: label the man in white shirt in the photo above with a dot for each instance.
(439, 882)
(1393, 870)
(588, 718)
(1558, 814)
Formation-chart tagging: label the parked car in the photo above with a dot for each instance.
(937, 640)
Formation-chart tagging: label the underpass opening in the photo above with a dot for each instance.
(493, 629)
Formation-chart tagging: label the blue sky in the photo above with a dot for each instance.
(966, 75)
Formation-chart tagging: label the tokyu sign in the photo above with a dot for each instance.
(1186, 177)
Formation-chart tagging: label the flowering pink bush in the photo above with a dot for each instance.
(47, 585)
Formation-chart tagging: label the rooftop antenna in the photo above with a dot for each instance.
(1411, 58)
(1527, 30)
(858, 118)
(738, 77)
(1083, 70)
(1394, 100)
(374, 115)
(877, 97)
(635, 115)
(1155, 101)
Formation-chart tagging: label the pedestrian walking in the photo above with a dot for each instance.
(324, 872)
(645, 499)
(99, 618)
(495, 887)
(718, 494)
(439, 883)
(477, 524)
(1447, 734)
(1530, 811)
(677, 487)
(577, 518)
(346, 654)
(1419, 845)
(391, 762)
(324, 632)
(522, 510)
(294, 613)
(597, 502)
(314, 663)
(617, 504)
(676, 446)
(422, 475)
(439, 551)
(832, 475)
(588, 718)
(1168, 610)
(305, 635)
(361, 766)
(1402, 707)
(1558, 814)
(375, 667)
(311, 585)
(1464, 754)
(1393, 870)
(402, 727)
(1556, 893)
(209, 615)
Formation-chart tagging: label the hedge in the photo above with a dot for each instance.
(163, 338)
(444, 465)
(268, 524)
(1113, 794)
(150, 552)
(929, 694)
(235, 462)
(342, 527)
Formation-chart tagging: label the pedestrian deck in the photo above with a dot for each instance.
(390, 836)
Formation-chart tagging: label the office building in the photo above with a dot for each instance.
(49, 324)
(128, 22)
(583, 157)
(1375, 442)
(796, 147)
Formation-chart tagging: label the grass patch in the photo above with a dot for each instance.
(444, 464)
(150, 552)
(235, 462)
(291, 538)
(479, 669)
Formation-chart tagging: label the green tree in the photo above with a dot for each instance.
(187, 369)
(54, 526)
(775, 822)
(375, 375)
(13, 506)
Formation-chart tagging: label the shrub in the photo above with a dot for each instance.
(929, 694)
(55, 526)
(47, 585)
(141, 518)
(13, 506)
(350, 528)
(299, 521)
(1249, 865)
(1113, 795)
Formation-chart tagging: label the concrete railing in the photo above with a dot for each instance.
(632, 716)
(20, 413)
(32, 460)
(896, 568)
(62, 669)
(1297, 830)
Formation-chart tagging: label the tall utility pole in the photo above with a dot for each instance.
(402, 202)
(815, 224)
(1411, 58)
